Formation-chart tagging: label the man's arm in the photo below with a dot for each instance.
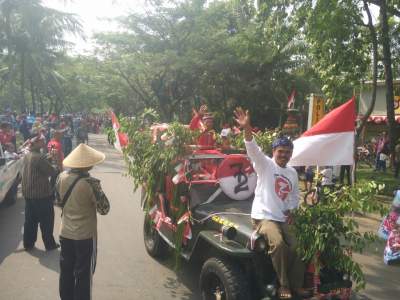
(102, 203)
(45, 167)
(253, 150)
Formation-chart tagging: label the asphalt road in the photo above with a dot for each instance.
(124, 270)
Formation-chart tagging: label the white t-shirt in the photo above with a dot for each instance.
(383, 157)
(277, 188)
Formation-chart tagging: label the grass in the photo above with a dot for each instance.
(365, 173)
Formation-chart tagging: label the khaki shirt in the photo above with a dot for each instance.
(79, 219)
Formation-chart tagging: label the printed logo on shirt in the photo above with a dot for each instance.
(283, 186)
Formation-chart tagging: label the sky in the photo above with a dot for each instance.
(93, 15)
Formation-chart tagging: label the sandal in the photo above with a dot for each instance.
(284, 293)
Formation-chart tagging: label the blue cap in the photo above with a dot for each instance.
(282, 141)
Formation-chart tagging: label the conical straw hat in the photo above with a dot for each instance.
(83, 156)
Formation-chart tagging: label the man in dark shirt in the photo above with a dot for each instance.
(38, 194)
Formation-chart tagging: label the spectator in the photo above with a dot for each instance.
(9, 152)
(309, 178)
(397, 159)
(81, 196)
(345, 170)
(383, 158)
(24, 128)
(389, 220)
(381, 142)
(392, 250)
(38, 195)
(67, 137)
(6, 134)
(327, 178)
(82, 135)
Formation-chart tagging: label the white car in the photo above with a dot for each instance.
(10, 177)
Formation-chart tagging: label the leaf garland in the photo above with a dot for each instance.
(328, 230)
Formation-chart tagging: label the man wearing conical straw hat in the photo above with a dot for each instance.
(80, 196)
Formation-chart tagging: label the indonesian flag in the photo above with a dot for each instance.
(290, 103)
(330, 142)
(121, 138)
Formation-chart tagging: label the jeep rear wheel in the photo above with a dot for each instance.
(222, 280)
(153, 242)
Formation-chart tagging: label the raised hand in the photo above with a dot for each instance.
(242, 117)
(203, 110)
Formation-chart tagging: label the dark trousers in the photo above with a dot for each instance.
(39, 212)
(67, 146)
(345, 169)
(77, 265)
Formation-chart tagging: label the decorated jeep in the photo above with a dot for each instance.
(211, 224)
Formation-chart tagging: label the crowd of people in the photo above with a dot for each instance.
(53, 173)
(59, 128)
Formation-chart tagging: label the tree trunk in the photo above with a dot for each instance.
(33, 96)
(387, 62)
(41, 107)
(374, 40)
(22, 79)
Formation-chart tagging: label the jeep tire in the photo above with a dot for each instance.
(221, 279)
(155, 245)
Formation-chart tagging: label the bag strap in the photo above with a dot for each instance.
(68, 193)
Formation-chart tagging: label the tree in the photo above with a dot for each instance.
(33, 39)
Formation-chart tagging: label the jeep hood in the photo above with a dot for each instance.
(227, 212)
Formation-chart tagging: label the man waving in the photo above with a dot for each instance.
(276, 195)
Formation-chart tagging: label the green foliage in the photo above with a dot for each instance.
(327, 233)
(263, 138)
(223, 54)
(150, 161)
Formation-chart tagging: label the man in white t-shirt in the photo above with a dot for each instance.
(276, 196)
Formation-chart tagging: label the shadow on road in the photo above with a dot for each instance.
(187, 275)
(48, 259)
(11, 224)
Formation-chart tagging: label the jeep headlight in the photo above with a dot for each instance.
(346, 277)
(260, 244)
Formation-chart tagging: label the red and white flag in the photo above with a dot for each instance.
(121, 138)
(330, 142)
(290, 103)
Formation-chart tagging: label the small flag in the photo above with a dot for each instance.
(121, 138)
(291, 99)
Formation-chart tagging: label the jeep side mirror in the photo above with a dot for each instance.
(2, 161)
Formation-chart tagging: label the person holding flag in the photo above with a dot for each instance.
(276, 196)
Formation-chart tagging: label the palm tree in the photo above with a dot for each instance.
(33, 37)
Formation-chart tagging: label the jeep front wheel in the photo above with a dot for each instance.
(222, 280)
(153, 242)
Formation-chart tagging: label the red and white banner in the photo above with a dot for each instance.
(121, 138)
(330, 142)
